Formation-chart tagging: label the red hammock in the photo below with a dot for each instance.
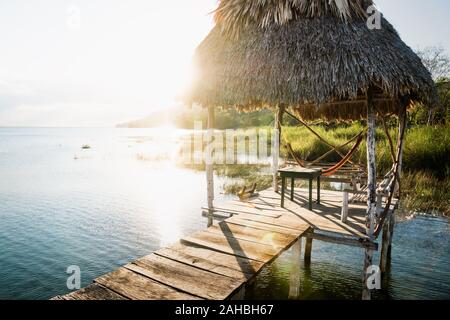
(330, 171)
(340, 164)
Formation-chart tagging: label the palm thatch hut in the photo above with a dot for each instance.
(327, 59)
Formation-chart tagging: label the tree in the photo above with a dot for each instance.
(437, 62)
(442, 113)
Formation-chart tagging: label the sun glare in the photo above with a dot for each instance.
(129, 58)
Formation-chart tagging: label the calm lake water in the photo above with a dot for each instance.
(124, 198)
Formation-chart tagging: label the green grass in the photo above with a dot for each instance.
(426, 148)
(426, 161)
(423, 192)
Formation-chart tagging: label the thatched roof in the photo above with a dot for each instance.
(315, 55)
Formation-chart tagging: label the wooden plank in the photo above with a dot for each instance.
(286, 221)
(269, 238)
(93, 292)
(262, 226)
(184, 277)
(339, 239)
(304, 217)
(209, 158)
(243, 265)
(241, 248)
(138, 287)
(201, 263)
(232, 209)
(256, 204)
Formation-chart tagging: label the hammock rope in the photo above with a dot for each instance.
(307, 126)
(339, 165)
(332, 170)
(345, 158)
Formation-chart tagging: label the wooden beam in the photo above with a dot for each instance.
(276, 148)
(368, 258)
(344, 211)
(209, 162)
(385, 243)
(371, 189)
(361, 243)
(308, 250)
(294, 285)
(371, 164)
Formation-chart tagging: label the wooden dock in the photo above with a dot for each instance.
(218, 262)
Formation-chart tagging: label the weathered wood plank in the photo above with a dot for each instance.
(262, 226)
(233, 210)
(302, 216)
(201, 263)
(274, 239)
(93, 292)
(231, 261)
(339, 239)
(328, 210)
(241, 248)
(287, 221)
(138, 287)
(256, 204)
(184, 277)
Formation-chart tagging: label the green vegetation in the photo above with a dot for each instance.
(425, 182)
(426, 148)
(424, 192)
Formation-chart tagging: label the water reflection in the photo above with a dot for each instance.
(126, 197)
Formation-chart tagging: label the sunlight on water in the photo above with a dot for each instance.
(124, 197)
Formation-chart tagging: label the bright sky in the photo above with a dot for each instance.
(102, 62)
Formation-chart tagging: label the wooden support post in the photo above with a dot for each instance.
(294, 287)
(276, 145)
(308, 250)
(379, 204)
(371, 165)
(371, 189)
(318, 189)
(310, 194)
(276, 151)
(209, 161)
(344, 212)
(240, 295)
(292, 188)
(368, 258)
(385, 245)
(391, 232)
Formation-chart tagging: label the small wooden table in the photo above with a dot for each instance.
(300, 173)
